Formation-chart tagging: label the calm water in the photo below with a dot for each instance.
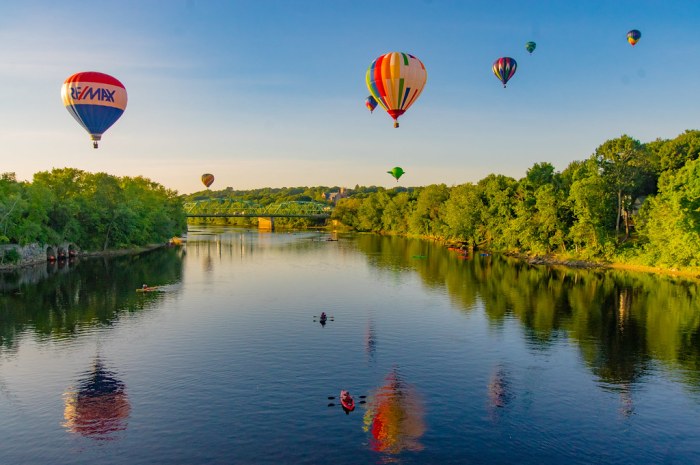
(462, 360)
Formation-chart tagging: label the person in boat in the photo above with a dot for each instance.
(323, 315)
(144, 287)
(346, 397)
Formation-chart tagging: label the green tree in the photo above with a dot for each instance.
(425, 219)
(626, 167)
(673, 154)
(463, 212)
(670, 221)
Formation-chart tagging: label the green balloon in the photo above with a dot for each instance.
(396, 172)
(530, 46)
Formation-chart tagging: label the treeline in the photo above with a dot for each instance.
(266, 195)
(628, 202)
(95, 211)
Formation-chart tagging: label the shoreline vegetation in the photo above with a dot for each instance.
(629, 205)
(69, 212)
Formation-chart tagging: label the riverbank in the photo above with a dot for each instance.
(38, 259)
(553, 260)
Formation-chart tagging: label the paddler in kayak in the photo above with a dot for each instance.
(323, 316)
(347, 402)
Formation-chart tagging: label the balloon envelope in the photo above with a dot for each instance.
(95, 100)
(530, 47)
(395, 80)
(633, 36)
(207, 179)
(371, 103)
(396, 172)
(504, 69)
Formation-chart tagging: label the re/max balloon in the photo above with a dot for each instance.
(96, 101)
(504, 69)
(530, 47)
(633, 36)
(396, 172)
(371, 103)
(207, 179)
(395, 80)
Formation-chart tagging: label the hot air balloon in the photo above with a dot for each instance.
(95, 100)
(504, 69)
(395, 80)
(633, 36)
(207, 179)
(99, 406)
(530, 47)
(371, 103)
(396, 172)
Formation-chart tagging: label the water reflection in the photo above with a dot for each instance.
(395, 417)
(370, 339)
(98, 407)
(56, 304)
(620, 320)
(500, 392)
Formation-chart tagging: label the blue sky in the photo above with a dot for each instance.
(271, 93)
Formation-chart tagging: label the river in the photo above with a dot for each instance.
(451, 359)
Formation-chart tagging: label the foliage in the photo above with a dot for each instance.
(579, 212)
(94, 211)
(670, 221)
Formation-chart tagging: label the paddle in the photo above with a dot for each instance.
(333, 398)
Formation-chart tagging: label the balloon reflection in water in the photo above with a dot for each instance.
(99, 406)
(499, 391)
(395, 417)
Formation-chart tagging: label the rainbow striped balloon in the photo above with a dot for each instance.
(504, 69)
(395, 80)
(96, 101)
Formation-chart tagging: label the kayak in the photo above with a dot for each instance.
(147, 289)
(346, 401)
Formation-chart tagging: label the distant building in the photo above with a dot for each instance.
(335, 196)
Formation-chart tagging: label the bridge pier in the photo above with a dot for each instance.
(266, 223)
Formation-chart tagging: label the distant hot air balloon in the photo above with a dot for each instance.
(633, 36)
(207, 179)
(371, 103)
(395, 80)
(504, 69)
(530, 47)
(95, 100)
(396, 172)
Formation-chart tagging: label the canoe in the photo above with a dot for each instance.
(347, 403)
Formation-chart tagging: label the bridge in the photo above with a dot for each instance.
(237, 208)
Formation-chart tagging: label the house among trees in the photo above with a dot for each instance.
(335, 196)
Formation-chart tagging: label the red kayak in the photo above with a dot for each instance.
(347, 401)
